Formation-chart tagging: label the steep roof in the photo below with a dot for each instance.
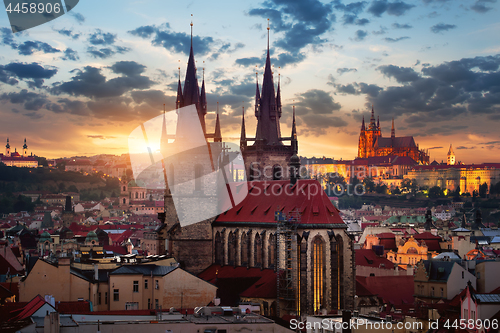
(438, 270)
(397, 142)
(368, 258)
(265, 197)
(400, 291)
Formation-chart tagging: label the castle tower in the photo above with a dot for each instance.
(25, 149)
(393, 131)
(362, 140)
(124, 193)
(450, 157)
(7, 148)
(268, 158)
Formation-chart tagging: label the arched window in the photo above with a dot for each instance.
(124, 200)
(277, 172)
(136, 195)
(318, 266)
(218, 249)
(245, 243)
(124, 188)
(271, 252)
(231, 249)
(257, 260)
(198, 172)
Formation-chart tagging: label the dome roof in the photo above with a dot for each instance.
(91, 236)
(132, 183)
(45, 236)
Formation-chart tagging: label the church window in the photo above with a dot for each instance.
(318, 273)
(218, 249)
(257, 251)
(231, 251)
(277, 172)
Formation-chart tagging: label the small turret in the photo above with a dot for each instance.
(393, 131)
(7, 148)
(363, 124)
(243, 136)
(217, 135)
(25, 149)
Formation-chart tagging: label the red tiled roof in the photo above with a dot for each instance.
(115, 249)
(29, 309)
(73, 307)
(265, 197)
(368, 258)
(400, 291)
(264, 287)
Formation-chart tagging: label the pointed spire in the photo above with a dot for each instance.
(203, 96)
(8, 144)
(257, 95)
(268, 128)
(393, 131)
(378, 122)
(363, 124)
(450, 151)
(243, 136)
(372, 119)
(278, 97)
(295, 145)
(179, 102)
(217, 135)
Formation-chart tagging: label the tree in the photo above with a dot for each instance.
(62, 187)
(369, 184)
(406, 185)
(483, 190)
(381, 188)
(435, 192)
(72, 188)
(396, 191)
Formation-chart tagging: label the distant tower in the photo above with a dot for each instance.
(393, 131)
(124, 193)
(451, 157)
(25, 149)
(7, 148)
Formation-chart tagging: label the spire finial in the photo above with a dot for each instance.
(191, 29)
(217, 107)
(268, 28)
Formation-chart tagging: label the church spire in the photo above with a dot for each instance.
(378, 122)
(257, 96)
(295, 145)
(372, 119)
(179, 102)
(363, 124)
(243, 136)
(393, 131)
(278, 97)
(217, 135)
(203, 96)
(268, 128)
(8, 144)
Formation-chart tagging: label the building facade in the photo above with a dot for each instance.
(16, 159)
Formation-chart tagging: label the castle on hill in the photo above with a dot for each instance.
(16, 159)
(372, 143)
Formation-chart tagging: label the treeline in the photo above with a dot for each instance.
(12, 204)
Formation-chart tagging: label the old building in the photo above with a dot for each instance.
(372, 143)
(141, 287)
(323, 267)
(410, 252)
(16, 159)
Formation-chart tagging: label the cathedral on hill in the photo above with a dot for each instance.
(372, 143)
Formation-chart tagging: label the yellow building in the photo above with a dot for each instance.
(409, 253)
(469, 177)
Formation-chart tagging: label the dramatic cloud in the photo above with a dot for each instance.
(30, 47)
(78, 17)
(251, 61)
(440, 27)
(401, 26)
(67, 32)
(341, 71)
(70, 54)
(173, 41)
(33, 73)
(91, 83)
(394, 40)
(360, 35)
(439, 93)
(106, 52)
(480, 6)
(30, 100)
(396, 8)
(101, 38)
(303, 22)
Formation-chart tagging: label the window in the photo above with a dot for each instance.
(149, 303)
(432, 291)
(145, 284)
(106, 297)
(136, 286)
(132, 306)
(462, 274)
(99, 299)
(442, 292)
(157, 284)
(157, 305)
(116, 295)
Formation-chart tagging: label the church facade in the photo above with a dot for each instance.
(16, 159)
(372, 143)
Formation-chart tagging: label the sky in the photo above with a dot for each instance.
(80, 84)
